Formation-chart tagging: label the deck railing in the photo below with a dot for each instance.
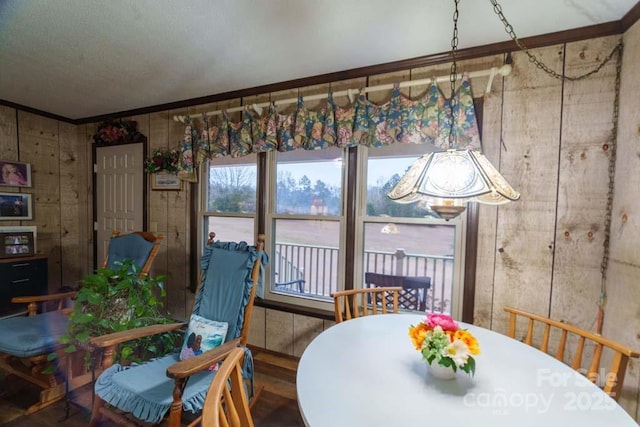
(318, 267)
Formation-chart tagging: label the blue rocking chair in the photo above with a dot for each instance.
(147, 392)
(26, 341)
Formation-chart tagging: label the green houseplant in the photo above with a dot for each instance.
(114, 300)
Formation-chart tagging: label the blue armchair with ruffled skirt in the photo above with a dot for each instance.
(26, 341)
(167, 386)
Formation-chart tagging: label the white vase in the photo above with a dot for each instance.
(441, 372)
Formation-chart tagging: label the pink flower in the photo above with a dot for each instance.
(442, 320)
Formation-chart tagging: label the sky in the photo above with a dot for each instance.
(330, 172)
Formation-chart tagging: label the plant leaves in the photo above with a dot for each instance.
(471, 365)
(84, 318)
(95, 298)
(83, 337)
(126, 352)
(118, 299)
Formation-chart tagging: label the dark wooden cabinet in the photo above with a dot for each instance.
(21, 277)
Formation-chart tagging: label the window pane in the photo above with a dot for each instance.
(414, 250)
(308, 250)
(231, 229)
(309, 182)
(232, 185)
(385, 168)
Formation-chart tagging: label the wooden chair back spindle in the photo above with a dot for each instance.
(621, 354)
(226, 402)
(355, 303)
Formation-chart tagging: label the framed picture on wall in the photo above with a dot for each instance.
(15, 206)
(15, 173)
(16, 244)
(22, 229)
(165, 181)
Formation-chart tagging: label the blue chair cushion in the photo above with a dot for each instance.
(224, 293)
(26, 336)
(145, 390)
(128, 246)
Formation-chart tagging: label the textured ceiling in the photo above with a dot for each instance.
(83, 58)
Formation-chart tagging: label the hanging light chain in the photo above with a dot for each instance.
(454, 49)
(617, 49)
(454, 68)
(610, 191)
(532, 58)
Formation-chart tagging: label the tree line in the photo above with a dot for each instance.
(232, 189)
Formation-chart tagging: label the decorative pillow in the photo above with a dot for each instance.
(202, 335)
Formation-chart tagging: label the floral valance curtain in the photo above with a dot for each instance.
(399, 120)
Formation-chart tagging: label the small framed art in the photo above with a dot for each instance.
(16, 244)
(165, 181)
(15, 173)
(15, 206)
(22, 229)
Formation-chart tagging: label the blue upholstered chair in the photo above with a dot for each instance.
(139, 246)
(167, 386)
(26, 341)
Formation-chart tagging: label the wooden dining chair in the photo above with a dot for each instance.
(354, 303)
(226, 402)
(611, 384)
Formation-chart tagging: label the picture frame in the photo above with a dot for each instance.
(15, 174)
(17, 244)
(22, 229)
(161, 181)
(15, 206)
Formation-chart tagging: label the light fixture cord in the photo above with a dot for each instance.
(454, 69)
(532, 58)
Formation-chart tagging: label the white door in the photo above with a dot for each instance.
(119, 193)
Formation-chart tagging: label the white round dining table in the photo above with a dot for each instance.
(366, 372)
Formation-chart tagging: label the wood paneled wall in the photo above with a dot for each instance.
(622, 310)
(60, 161)
(549, 138)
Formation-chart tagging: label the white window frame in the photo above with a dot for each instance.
(204, 214)
(361, 218)
(459, 223)
(271, 216)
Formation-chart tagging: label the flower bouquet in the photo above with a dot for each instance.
(162, 160)
(118, 131)
(442, 342)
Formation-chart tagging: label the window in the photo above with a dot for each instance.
(306, 222)
(230, 198)
(407, 239)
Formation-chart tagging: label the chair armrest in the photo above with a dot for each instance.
(192, 365)
(42, 298)
(115, 338)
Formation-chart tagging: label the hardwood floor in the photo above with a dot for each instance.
(276, 405)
